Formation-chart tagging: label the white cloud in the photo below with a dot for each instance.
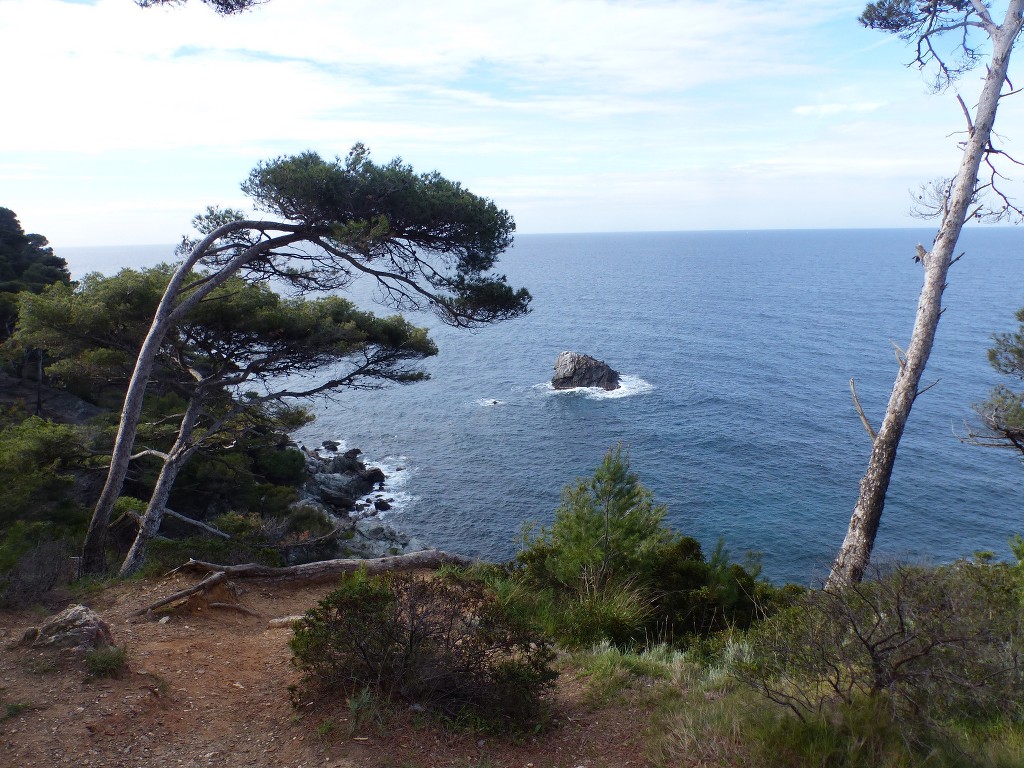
(595, 113)
(831, 110)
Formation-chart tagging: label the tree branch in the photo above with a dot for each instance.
(208, 528)
(860, 412)
(967, 113)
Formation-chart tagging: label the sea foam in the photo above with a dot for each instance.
(628, 386)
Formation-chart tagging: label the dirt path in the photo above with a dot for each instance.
(209, 687)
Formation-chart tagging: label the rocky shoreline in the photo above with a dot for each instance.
(351, 495)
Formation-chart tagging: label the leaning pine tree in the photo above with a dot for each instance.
(978, 38)
(428, 244)
(237, 362)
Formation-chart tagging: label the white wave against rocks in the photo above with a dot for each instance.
(628, 386)
(398, 471)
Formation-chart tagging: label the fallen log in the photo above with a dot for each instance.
(327, 570)
(236, 607)
(323, 570)
(210, 581)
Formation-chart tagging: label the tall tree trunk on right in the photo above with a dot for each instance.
(855, 552)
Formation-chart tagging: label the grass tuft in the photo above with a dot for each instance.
(106, 661)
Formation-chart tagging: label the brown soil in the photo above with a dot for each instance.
(209, 687)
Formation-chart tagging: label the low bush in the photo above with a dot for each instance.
(309, 521)
(446, 644)
(929, 651)
(280, 466)
(604, 529)
(616, 613)
(37, 568)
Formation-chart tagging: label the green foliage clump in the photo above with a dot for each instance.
(446, 644)
(247, 527)
(1002, 414)
(13, 709)
(41, 516)
(389, 211)
(605, 527)
(36, 458)
(929, 653)
(609, 569)
(280, 466)
(26, 264)
(309, 521)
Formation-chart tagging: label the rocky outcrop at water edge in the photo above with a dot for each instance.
(351, 495)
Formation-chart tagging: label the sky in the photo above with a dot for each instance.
(122, 123)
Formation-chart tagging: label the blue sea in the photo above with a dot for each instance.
(736, 350)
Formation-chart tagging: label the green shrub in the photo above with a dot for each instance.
(577, 620)
(272, 500)
(616, 613)
(933, 645)
(238, 525)
(41, 520)
(280, 466)
(309, 520)
(35, 485)
(604, 528)
(13, 709)
(615, 572)
(445, 644)
(858, 735)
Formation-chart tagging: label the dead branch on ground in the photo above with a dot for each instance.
(309, 573)
(327, 570)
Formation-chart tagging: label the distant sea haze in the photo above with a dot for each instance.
(736, 349)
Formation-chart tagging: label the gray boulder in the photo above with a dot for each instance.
(339, 479)
(374, 538)
(574, 370)
(78, 628)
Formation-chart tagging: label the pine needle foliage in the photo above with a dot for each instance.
(606, 527)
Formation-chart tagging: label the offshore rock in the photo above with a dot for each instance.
(574, 370)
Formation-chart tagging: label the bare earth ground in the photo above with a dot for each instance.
(210, 688)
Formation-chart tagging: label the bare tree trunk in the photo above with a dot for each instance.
(855, 552)
(93, 561)
(176, 458)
